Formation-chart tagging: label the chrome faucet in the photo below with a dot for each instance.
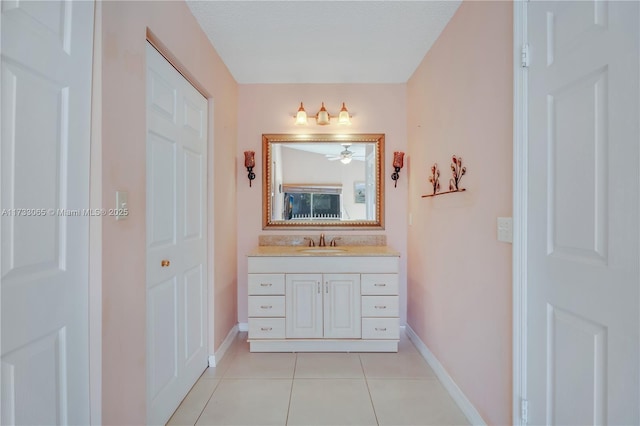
(322, 243)
(333, 241)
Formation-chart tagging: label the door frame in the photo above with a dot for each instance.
(520, 195)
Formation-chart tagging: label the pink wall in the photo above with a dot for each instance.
(124, 32)
(269, 108)
(459, 275)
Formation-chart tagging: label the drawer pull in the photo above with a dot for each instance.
(381, 307)
(266, 328)
(266, 306)
(266, 284)
(380, 285)
(381, 329)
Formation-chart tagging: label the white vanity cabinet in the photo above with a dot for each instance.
(323, 306)
(306, 303)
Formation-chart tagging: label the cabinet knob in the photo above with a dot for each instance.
(380, 285)
(165, 263)
(381, 329)
(266, 307)
(381, 307)
(265, 284)
(266, 328)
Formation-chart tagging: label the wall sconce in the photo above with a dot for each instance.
(398, 162)
(323, 117)
(249, 163)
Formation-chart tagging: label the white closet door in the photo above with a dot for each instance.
(583, 227)
(46, 104)
(176, 237)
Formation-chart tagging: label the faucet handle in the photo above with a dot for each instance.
(333, 241)
(311, 242)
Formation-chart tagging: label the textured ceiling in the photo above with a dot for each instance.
(322, 41)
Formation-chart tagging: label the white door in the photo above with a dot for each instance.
(46, 105)
(176, 237)
(303, 303)
(342, 306)
(583, 281)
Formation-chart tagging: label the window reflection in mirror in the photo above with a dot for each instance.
(323, 180)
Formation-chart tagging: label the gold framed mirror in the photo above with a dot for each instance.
(321, 181)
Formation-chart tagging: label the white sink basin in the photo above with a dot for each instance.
(322, 250)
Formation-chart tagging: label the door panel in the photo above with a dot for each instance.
(577, 173)
(176, 237)
(161, 192)
(342, 306)
(33, 373)
(44, 167)
(48, 99)
(194, 318)
(303, 305)
(163, 314)
(583, 296)
(576, 368)
(193, 202)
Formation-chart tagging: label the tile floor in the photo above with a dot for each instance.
(318, 389)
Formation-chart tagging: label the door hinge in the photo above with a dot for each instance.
(524, 56)
(524, 411)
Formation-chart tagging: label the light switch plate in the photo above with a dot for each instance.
(505, 229)
(122, 205)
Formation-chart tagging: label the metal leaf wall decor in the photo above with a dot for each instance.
(457, 171)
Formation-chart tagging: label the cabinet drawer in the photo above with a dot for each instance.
(380, 306)
(383, 284)
(266, 306)
(266, 284)
(266, 328)
(380, 328)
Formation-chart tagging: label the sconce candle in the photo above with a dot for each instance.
(249, 163)
(398, 159)
(398, 162)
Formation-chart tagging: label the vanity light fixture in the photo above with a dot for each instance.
(323, 117)
(249, 163)
(398, 162)
(301, 116)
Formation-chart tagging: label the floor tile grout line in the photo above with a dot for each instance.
(295, 365)
(207, 403)
(366, 382)
(232, 355)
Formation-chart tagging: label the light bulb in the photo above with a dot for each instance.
(343, 117)
(301, 117)
(323, 116)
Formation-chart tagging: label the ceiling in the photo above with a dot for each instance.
(322, 41)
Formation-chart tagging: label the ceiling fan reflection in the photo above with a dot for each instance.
(345, 156)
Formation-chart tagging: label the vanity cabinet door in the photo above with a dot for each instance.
(342, 306)
(303, 306)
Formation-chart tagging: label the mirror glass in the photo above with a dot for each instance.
(323, 181)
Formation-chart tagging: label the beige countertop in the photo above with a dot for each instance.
(344, 251)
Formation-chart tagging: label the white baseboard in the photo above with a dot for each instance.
(224, 347)
(243, 326)
(456, 393)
